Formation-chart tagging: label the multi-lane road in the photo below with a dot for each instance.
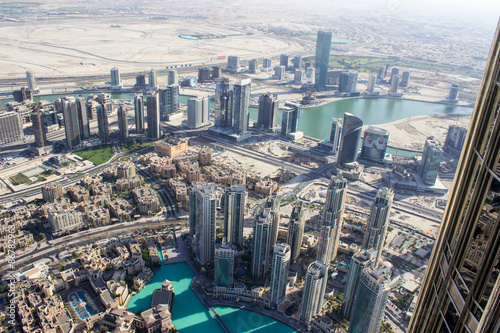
(55, 246)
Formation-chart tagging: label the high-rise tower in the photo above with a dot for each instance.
(122, 122)
(241, 106)
(290, 119)
(102, 123)
(172, 77)
(370, 300)
(30, 78)
(139, 112)
(153, 110)
(224, 265)
(296, 231)
(268, 111)
(323, 46)
(224, 100)
(202, 212)
(38, 129)
(279, 273)
(431, 160)
(116, 81)
(234, 214)
(351, 134)
(359, 262)
(261, 244)
(332, 219)
(461, 288)
(83, 120)
(314, 291)
(152, 80)
(376, 227)
(71, 124)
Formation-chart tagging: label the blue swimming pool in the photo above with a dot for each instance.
(83, 304)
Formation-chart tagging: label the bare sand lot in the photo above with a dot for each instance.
(410, 133)
(84, 46)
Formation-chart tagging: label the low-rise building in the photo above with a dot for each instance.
(170, 146)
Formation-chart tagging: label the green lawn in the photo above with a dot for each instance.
(125, 158)
(131, 147)
(97, 155)
(370, 65)
(20, 179)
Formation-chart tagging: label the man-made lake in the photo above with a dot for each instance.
(316, 121)
(189, 315)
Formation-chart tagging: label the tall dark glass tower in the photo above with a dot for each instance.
(461, 289)
(349, 142)
(323, 45)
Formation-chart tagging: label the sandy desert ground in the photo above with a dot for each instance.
(85, 46)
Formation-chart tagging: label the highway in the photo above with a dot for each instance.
(88, 236)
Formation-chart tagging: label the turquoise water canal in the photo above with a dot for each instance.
(189, 315)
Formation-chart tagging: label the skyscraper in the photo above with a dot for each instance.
(267, 63)
(431, 160)
(241, 106)
(323, 46)
(290, 119)
(71, 124)
(268, 111)
(253, 65)
(394, 71)
(233, 64)
(279, 273)
(83, 120)
(198, 111)
(394, 84)
(335, 133)
(279, 72)
(122, 122)
(224, 100)
(314, 291)
(452, 96)
(332, 220)
(351, 134)
(296, 231)
(139, 112)
(30, 78)
(172, 77)
(202, 214)
(224, 265)
(153, 110)
(234, 213)
(297, 62)
(359, 262)
(284, 60)
(102, 123)
(152, 80)
(376, 226)
(382, 72)
(261, 244)
(405, 80)
(169, 100)
(348, 82)
(273, 203)
(298, 77)
(460, 291)
(371, 83)
(11, 127)
(370, 300)
(39, 131)
(116, 80)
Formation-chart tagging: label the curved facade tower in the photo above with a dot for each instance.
(351, 135)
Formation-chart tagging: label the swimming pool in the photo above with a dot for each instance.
(82, 303)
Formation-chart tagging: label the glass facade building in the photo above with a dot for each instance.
(323, 46)
(461, 289)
